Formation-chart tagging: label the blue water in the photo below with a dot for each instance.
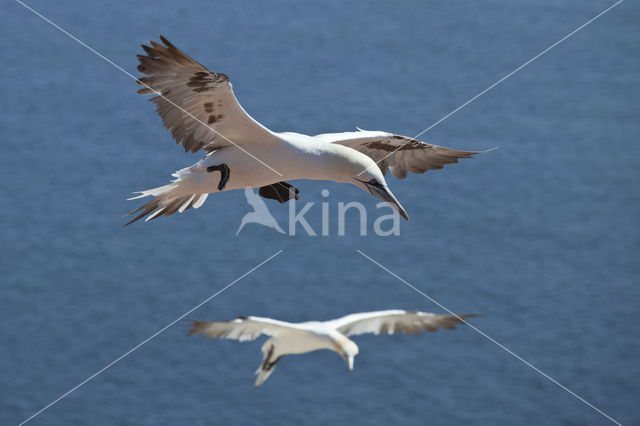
(540, 235)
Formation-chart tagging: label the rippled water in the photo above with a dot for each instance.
(540, 235)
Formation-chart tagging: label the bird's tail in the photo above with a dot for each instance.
(167, 200)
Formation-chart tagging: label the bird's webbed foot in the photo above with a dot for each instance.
(225, 172)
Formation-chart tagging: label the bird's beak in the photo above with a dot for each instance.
(349, 360)
(383, 193)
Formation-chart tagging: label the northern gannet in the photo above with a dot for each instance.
(287, 338)
(199, 108)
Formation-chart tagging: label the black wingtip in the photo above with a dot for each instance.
(150, 50)
(165, 41)
(194, 327)
(463, 318)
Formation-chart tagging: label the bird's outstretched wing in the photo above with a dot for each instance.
(197, 105)
(398, 154)
(395, 321)
(242, 328)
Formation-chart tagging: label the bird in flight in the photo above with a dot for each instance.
(286, 338)
(199, 108)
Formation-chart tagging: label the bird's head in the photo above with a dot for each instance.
(356, 168)
(372, 180)
(349, 352)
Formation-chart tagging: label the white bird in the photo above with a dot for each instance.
(287, 338)
(199, 108)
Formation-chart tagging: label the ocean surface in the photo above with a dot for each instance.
(540, 235)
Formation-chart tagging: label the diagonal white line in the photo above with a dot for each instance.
(500, 345)
(501, 80)
(148, 339)
(150, 88)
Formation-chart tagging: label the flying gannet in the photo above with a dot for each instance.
(287, 338)
(199, 108)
